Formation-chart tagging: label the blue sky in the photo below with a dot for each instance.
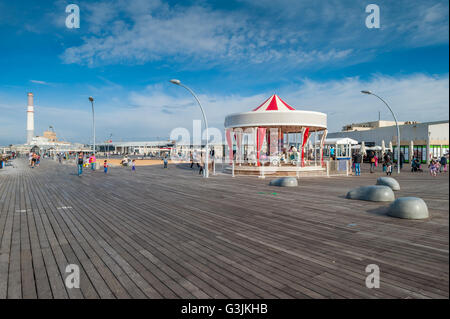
(317, 55)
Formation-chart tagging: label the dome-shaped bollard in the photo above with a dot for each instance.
(284, 182)
(409, 208)
(373, 193)
(389, 181)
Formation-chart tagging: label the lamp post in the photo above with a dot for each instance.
(93, 120)
(178, 82)
(396, 124)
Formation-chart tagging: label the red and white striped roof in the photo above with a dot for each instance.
(274, 103)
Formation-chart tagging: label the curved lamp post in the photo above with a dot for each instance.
(396, 124)
(178, 82)
(93, 120)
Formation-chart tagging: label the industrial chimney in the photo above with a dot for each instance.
(30, 119)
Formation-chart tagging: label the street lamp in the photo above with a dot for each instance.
(93, 120)
(178, 82)
(396, 124)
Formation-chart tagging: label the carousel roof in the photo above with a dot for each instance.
(274, 103)
(274, 112)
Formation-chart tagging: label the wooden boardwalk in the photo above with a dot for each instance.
(159, 233)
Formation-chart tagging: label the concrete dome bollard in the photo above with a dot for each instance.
(284, 182)
(409, 208)
(373, 193)
(389, 181)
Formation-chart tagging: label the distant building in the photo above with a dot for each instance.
(371, 125)
(139, 148)
(50, 136)
(430, 138)
(48, 143)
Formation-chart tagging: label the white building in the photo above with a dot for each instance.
(430, 138)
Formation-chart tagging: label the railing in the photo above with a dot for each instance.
(338, 167)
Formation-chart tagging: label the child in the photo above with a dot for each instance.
(133, 165)
(105, 166)
(388, 165)
(165, 162)
(433, 168)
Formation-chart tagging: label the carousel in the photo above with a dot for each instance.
(275, 138)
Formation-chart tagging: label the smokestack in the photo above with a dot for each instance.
(30, 119)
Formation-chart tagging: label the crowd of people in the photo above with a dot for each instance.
(436, 165)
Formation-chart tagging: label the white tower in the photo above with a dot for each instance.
(30, 119)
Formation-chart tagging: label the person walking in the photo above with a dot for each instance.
(388, 164)
(443, 162)
(165, 162)
(357, 161)
(414, 166)
(433, 167)
(105, 166)
(402, 159)
(192, 159)
(384, 162)
(33, 160)
(133, 165)
(92, 161)
(30, 159)
(201, 168)
(213, 157)
(332, 153)
(80, 162)
(372, 162)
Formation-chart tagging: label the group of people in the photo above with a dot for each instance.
(34, 159)
(4, 159)
(92, 162)
(373, 159)
(436, 165)
(198, 158)
(127, 162)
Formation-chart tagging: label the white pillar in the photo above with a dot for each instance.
(30, 118)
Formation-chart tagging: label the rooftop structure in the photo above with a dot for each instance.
(364, 126)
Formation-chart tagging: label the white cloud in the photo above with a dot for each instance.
(39, 82)
(151, 31)
(413, 98)
(297, 33)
